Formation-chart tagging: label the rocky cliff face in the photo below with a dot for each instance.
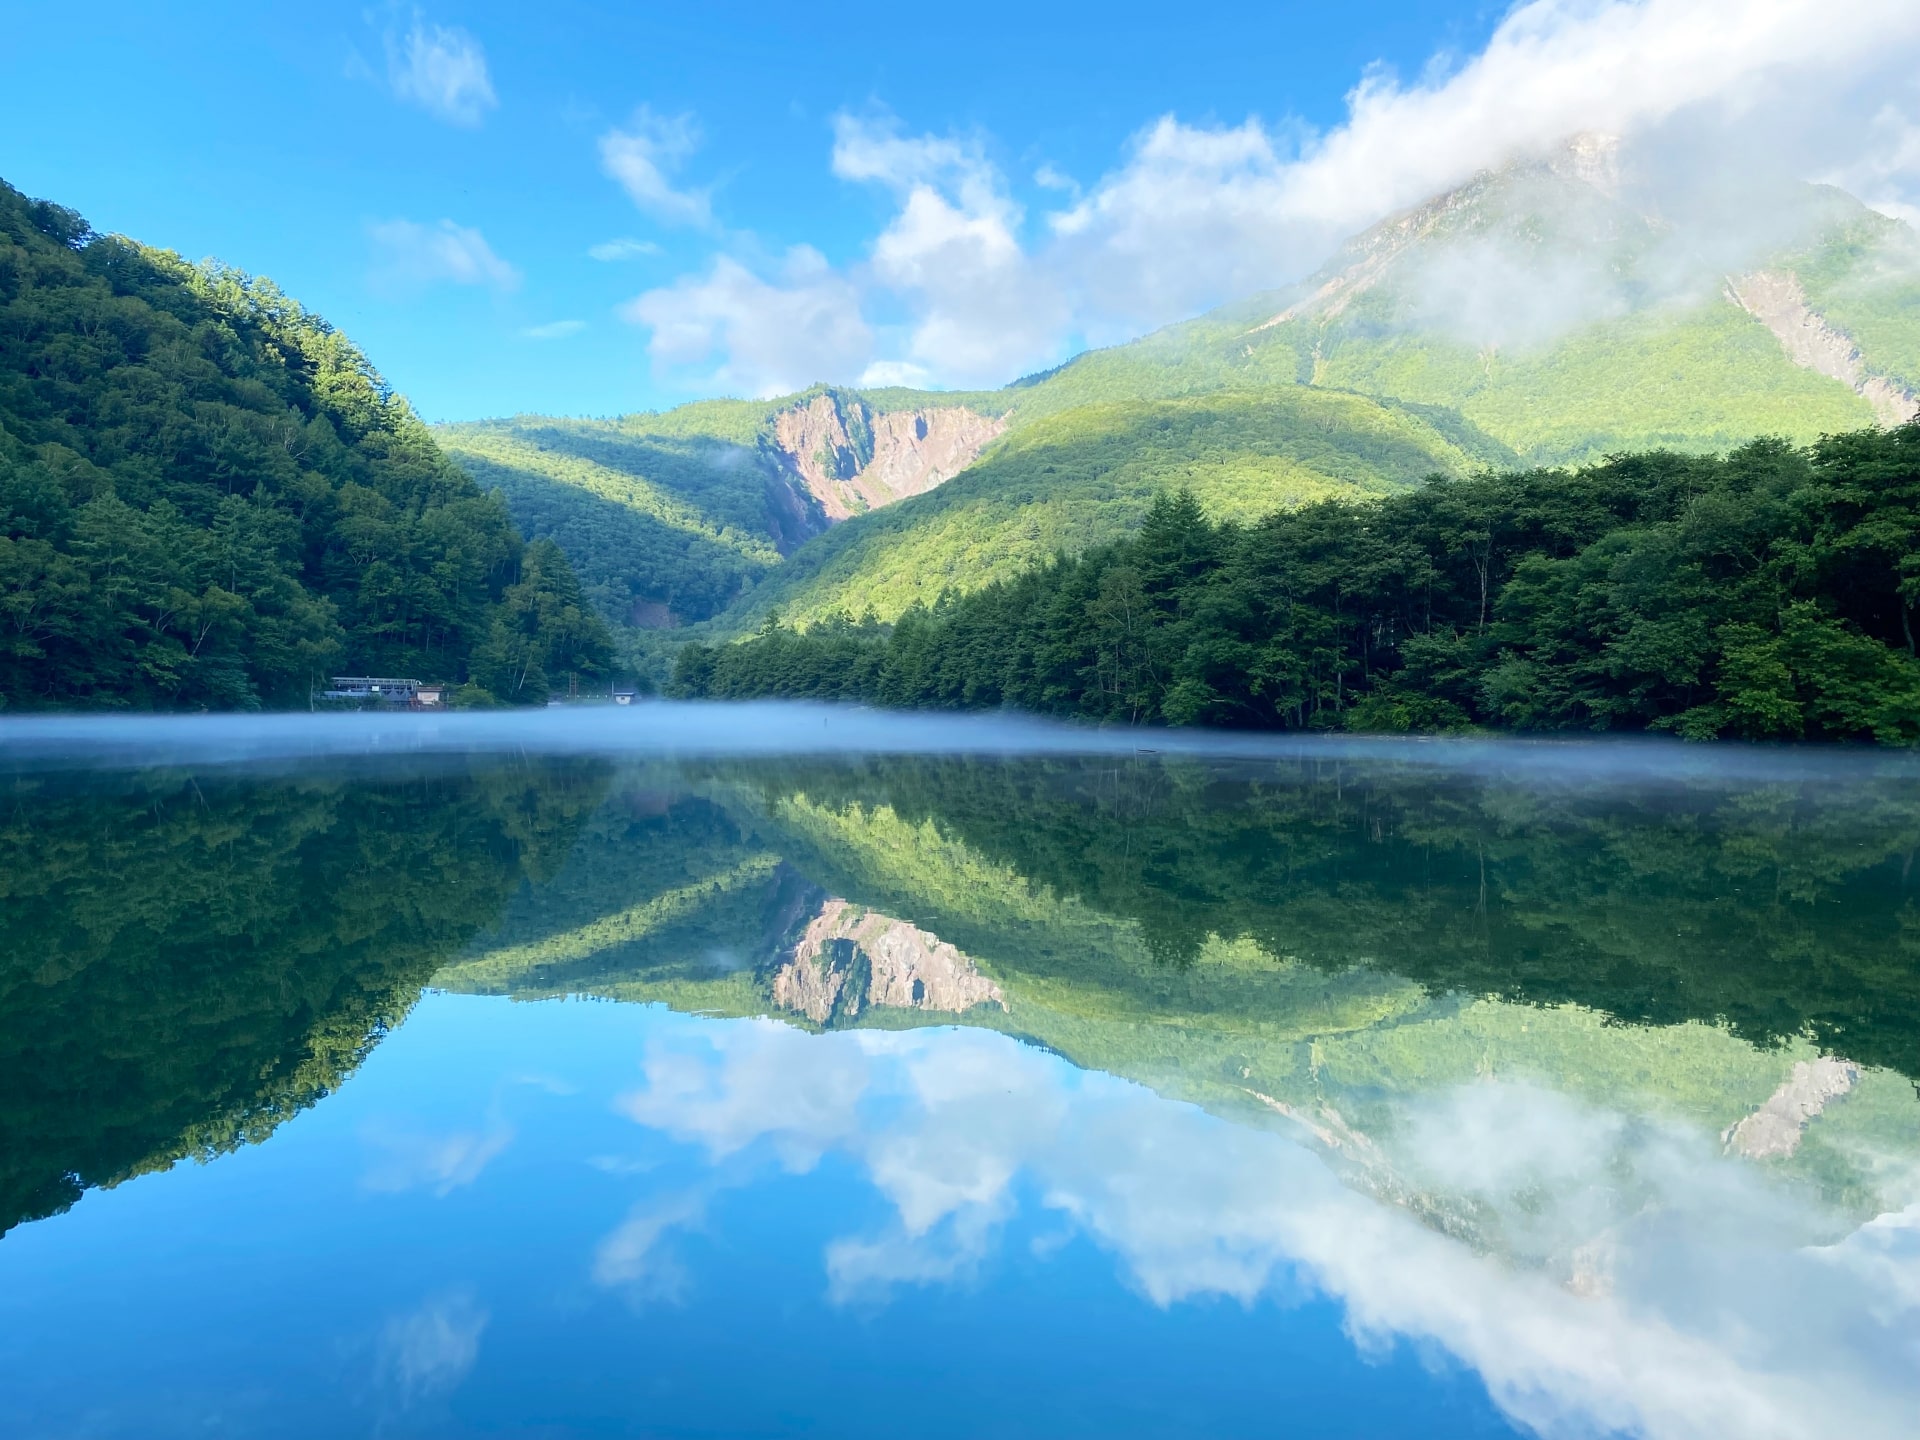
(850, 959)
(848, 459)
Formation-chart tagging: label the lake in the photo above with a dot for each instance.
(768, 1071)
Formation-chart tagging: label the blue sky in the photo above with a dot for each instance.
(943, 196)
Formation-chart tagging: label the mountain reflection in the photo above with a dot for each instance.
(1608, 1091)
(1316, 945)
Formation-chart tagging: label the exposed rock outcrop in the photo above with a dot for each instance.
(1777, 300)
(849, 959)
(1774, 1130)
(851, 459)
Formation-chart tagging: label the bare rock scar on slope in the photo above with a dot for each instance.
(1774, 1130)
(1777, 300)
(851, 459)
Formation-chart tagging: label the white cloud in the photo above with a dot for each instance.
(981, 311)
(771, 337)
(634, 1257)
(410, 256)
(1708, 95)
(643, 157)
(622, 249)
(554, 330)
(443, 70)
(896, 372)
(1049, 178)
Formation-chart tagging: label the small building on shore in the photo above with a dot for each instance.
(380, 690)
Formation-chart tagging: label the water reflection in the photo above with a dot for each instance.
(186, 961)
(1602, 1086)
(1667, 1290)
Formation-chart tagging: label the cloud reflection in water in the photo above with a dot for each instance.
(1599, 1269)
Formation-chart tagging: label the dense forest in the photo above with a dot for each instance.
(1766, 594)
(209, 498)
(652, 523)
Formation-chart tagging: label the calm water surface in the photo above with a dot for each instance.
(602, 1081)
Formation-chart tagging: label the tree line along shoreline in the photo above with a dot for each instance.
(1765, 594)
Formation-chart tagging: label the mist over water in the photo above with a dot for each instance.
(662, 729)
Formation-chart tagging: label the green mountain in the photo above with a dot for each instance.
(209, 499)
(1546, 313)
(1560, 310)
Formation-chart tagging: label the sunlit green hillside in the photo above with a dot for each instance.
(1087, 475)
(209, 499)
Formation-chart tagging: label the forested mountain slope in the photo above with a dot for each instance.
(252, 945)
(1087, 476)
(210, 498)
(670, 518)
(1771, 594)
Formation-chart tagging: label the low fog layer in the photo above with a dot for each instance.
(670, 729)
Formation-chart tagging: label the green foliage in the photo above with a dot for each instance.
(685, 525)
(669, 518)
(208, 497)
(1863, 276)
(1087, 476)
(185, 961)
(1697, 377)
(661, 884)
(542, 630)
(1769, 594)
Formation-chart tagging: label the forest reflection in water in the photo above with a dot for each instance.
(1645, 1050)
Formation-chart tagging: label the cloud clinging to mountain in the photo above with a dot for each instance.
(1709, 91)
(1642, 1282)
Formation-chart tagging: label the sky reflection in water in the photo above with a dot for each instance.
(1052, 1096)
